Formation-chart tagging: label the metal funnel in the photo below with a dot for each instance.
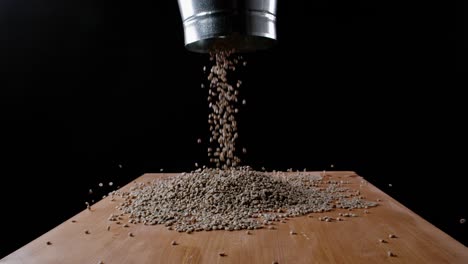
(244, 25)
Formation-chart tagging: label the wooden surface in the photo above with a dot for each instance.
(355, 240)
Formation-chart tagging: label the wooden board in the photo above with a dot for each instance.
(355, 240)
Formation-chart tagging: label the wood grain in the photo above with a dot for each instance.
(355, 240)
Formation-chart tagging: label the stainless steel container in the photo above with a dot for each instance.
(245, 25)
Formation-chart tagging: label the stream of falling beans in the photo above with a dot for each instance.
(223, 105)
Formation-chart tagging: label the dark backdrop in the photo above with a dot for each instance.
(97, 91)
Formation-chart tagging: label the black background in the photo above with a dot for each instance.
(87, 86)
